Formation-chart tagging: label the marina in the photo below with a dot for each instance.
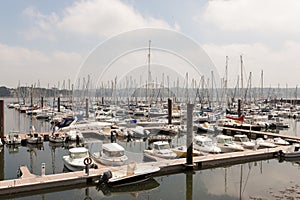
(33, 181)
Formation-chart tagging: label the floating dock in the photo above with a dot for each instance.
(254, 134)
(29, 182)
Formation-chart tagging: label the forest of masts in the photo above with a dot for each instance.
(133, 91)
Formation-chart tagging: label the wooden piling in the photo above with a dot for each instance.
(58, 104)
(189, 135)
(169, 111)
(42, 102)
(1, 136)
(239, 108)
(1, 118)
(87, 108)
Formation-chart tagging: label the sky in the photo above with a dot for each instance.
(46, 43)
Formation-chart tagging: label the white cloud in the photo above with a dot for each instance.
(29, 66)
(279, 66)
(99, 18)
(105, 18)
(253, 15)
(44, 25)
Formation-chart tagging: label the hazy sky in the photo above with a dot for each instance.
(47, 41)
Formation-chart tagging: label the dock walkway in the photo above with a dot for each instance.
(30, 182)
(261, 133)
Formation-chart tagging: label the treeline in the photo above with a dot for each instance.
(24, 92)
(5, 92)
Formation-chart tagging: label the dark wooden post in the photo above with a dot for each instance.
(58, 104)
(87, 108)
(169, 111)
(42, 102)
(189, 135)
(1, 119)
(239, 108)
(1, 136)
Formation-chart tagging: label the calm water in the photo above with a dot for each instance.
(268, 179)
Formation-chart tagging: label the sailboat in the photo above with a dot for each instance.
(33, 137)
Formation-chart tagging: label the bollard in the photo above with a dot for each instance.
(87, 162)
(87, 169)
(43, 169)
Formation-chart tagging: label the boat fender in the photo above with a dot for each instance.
(105, 177)
(94, 166)
(19, 173)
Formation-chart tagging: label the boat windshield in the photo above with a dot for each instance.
(228, 141)
(78, 155)
(113, 153)
(208, 143)
(162, 146)
(244, 139)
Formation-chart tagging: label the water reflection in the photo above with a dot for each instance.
(13, 149)
(132, 189)
(189, 185)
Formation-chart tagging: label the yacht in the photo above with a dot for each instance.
(128, 175)
(205, 144)
(227, 144)
(278, 141)
(244, 141)
(264, 143)
(57, 138)
(112, 154)
(74, 135)
(181, 151)
(12, 139)
(160, 149)
(139, 132)
(34, 137)
(74, 161)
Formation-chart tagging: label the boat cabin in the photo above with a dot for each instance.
(241, 138)
(224, 139)
(203, 141)
(159, 145)
(79, 152)
(113, 150)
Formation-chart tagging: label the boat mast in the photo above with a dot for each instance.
(242, 82)
(226, 80)
(212, 89)
(149, 72)
(262, 83)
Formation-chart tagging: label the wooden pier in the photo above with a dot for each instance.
(29, 182)
(254, 134)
